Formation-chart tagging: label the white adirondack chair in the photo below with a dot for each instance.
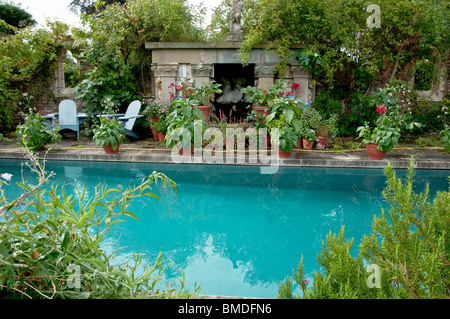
(129, 118)
(69, 119)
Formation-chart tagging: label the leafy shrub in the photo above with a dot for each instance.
(409, 244)
(110, 132)
(51, 242)
(326, 104)
(34, 133)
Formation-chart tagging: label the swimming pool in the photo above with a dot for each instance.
(235, 231)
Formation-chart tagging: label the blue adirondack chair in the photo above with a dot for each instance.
(129, 118)
(68, 117)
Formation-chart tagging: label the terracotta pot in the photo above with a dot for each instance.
(307, 145)
(300, 143)
(184, 152)
(321, 143)
(263, 110)
(109, 150)
(206, 109)
(374, 153)
(282, 154)
(161, 136)
(155, 119)
(154, 133)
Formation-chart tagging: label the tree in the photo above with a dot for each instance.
(338, 31)
(93, 6)
(13, 17)
(116, 49)
(28, 57)
(409, 247)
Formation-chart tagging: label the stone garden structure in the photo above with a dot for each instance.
(195, 64)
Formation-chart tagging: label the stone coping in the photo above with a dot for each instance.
(204, 45)
(425, 158)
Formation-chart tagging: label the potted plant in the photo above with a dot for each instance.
(284, 124)
(153, 108)
(160, 127)
(261, 99)
(284, 139)
(181, 121)
(383, 137)
(326, 129)
(110, 134)
(308, 137)
(35, 134)
(204, 94)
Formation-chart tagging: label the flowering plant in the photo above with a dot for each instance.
(386, 132)
(261, 97)
(34, 133)
(110, 132)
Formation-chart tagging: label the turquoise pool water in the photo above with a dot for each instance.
(235, 231)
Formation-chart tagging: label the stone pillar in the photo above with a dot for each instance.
(201, 73)
(265, 74)
(165, 74)
(306, 89)
(59, 82)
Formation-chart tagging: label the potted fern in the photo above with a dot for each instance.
(109, 135)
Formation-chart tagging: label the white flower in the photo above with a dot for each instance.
(7, 176)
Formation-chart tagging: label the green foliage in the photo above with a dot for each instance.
(13, 17)
(424, 75)
(264, 97)
(446, 138)
(162, 124)
(205, 92)
(93, 7)
(182, 120)
(409, 244)
(29, 56)
(337, 31)
(284, 122)
(52, 243)
(72, 72)
(110, 132)
(309, 59)
(115, 46)
(326, 103)
(35, 133)
(385, 133)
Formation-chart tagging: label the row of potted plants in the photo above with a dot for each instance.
(290, 123)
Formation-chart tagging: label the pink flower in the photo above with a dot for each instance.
(381, 109)
(305, 281)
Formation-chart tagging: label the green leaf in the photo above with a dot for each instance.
(66, 240)
(4, 251)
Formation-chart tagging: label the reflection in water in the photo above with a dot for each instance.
(232, 230)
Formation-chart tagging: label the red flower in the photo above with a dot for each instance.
(381, 109)
(295, 86)
(265, 91)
